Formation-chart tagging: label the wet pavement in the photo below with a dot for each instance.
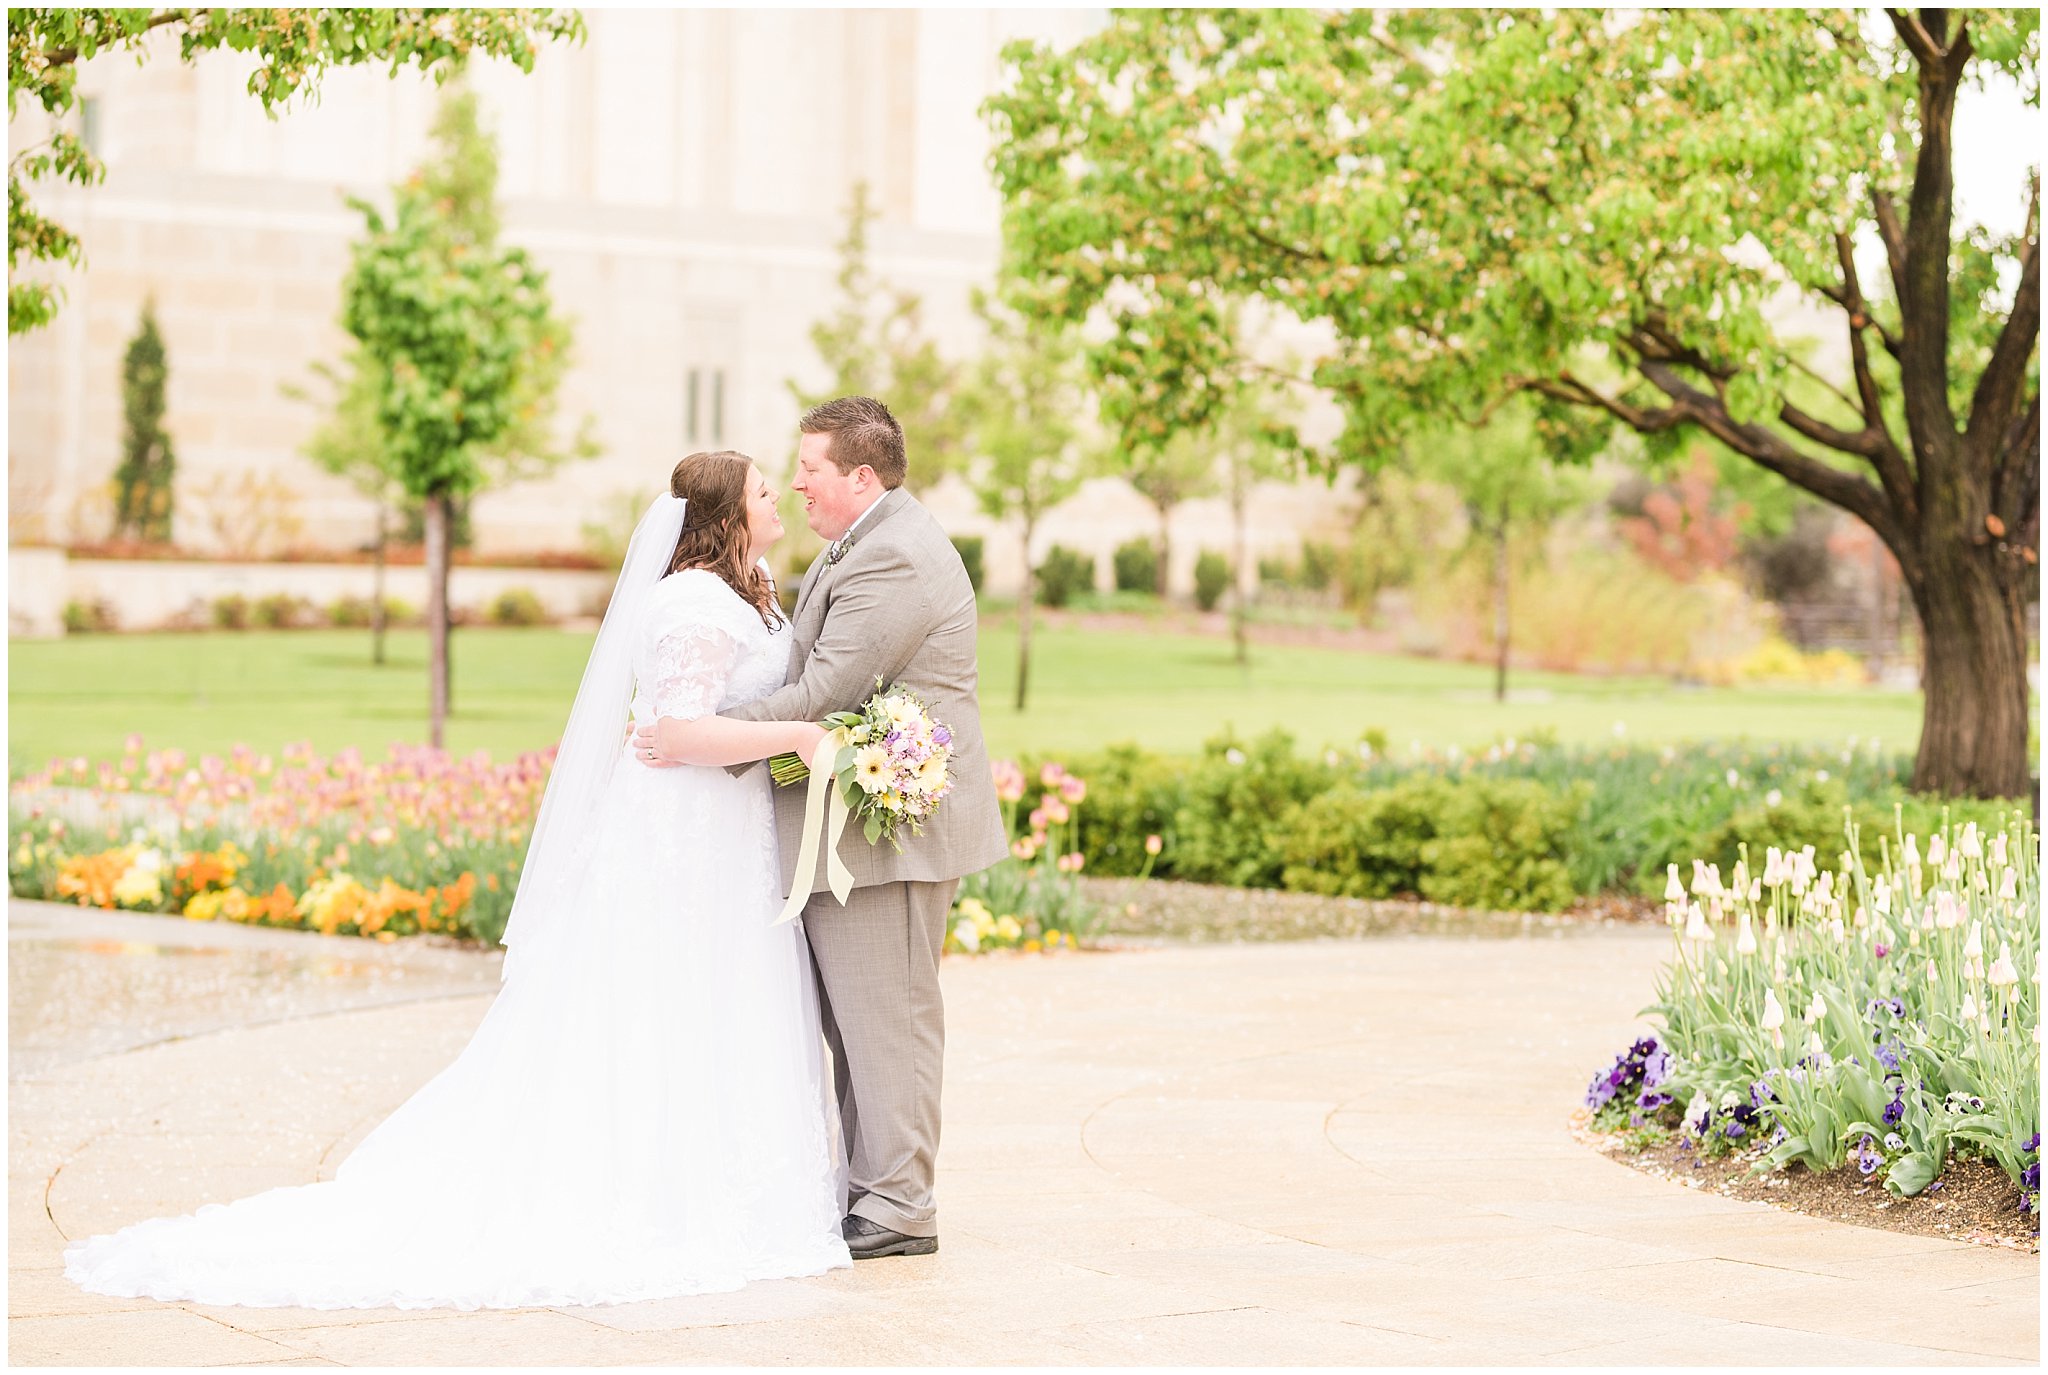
(1318, 1152)
(83, 984)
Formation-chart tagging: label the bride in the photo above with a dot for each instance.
(644, 1111)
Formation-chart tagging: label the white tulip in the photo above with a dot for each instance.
(1745, 938)
(1774, 866)
(1774, 1014)
(1815, 1010)
(1969, 1006)
(1674, 891)
(1696, 928)
(2009, 884)
(1973, 946)
(1971, 847)
(1936, 850)
(1998, 858)
(1933, 974)
(1912, 852)
(2002, 972)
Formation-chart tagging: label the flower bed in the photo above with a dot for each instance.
(420, 842)
(1881, 1013)
(1033, 900)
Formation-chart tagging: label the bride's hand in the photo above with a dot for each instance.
(808, 734)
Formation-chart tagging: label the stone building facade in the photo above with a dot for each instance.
(683, 178)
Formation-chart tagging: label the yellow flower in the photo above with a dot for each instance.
(871, 768)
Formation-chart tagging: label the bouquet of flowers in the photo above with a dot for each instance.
(892, 767)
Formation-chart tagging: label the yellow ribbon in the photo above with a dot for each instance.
(816, 818)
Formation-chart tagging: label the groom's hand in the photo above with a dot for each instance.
(646, 746)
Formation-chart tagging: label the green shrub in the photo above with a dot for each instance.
(1503, 845)
(1132, 794)
(1212, 579)
(1137, 566)
(1363, 844)
(517, 606)
(231, 612)
(349, 613)
(280, 611)
(90, 618)
(1063, 573)
(970, 549)
(1276, 572)
(1229, 826)
(1812, 814)
(1319, 563)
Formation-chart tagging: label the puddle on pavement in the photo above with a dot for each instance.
(71, 998)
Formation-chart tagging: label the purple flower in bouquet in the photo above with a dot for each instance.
(1656, 1068)
(2032, 1143)
(1868, 1160)
(1894, 1112)
(2031, 1177)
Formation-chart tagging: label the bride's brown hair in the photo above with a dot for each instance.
(714, 533)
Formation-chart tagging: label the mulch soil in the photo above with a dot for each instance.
(1154, 909)
(1973, 1200)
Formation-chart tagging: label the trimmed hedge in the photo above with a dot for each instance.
(1520, 827)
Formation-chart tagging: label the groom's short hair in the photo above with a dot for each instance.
(862, 431)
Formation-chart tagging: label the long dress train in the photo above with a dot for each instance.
(644, 1110)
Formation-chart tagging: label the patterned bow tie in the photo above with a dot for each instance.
(839, 548)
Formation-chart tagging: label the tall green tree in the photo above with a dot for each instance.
(459, 184)
(1253, 438)
(874, 344)
(1023, 408)
(1475, 203)
(349, 443)
(294, 48)
(1168, 475)
(1510, 492)
(149, 461)
(450, 326)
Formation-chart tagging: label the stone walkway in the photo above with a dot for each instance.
(1314, 1153)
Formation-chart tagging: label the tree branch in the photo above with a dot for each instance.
(64, 57)
(1853, 494)
(1838, 393)
(1893, 234)
(2016, 480)
(1998, 388)
(1916, 38)
(1894, 473)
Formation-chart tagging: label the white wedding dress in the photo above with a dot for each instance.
(644, 1110)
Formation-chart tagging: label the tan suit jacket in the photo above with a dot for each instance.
(896, 606)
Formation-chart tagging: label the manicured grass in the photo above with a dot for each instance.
(1167, 691)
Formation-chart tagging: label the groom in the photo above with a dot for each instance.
(888, 599)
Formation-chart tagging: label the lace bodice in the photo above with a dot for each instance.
(703, 649)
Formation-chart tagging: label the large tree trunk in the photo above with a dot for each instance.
(379, 620)
(1024, 620)
(1973, 732)
(437, 617)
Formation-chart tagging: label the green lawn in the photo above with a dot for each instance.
(1168, 691)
